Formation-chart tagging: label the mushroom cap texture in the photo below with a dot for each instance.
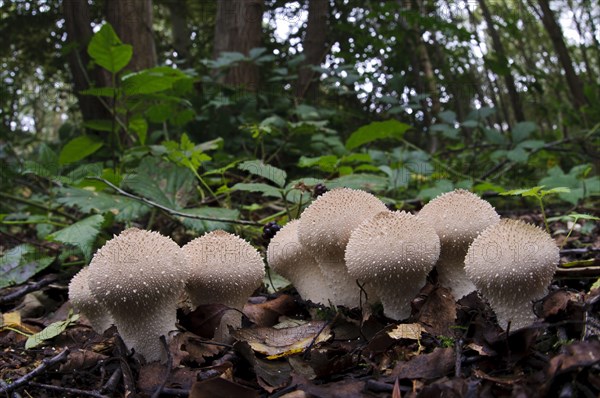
(225, 269)
(458, 217)
(511, 264)
(325, 226)
(392, 246)
(137, 268)
(81, 298)
(293, 261)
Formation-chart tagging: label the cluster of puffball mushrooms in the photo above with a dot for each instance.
(136, 280)
(349, 235)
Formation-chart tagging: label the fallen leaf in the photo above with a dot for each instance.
(81, 359)
(438, 313)
(410, 331)
(270, 375)
(577, 355)
(268, 313)
(221, 388)
(276, 343)
(204, 320)
(436, 364)
(187, 347)
(12, 320)
(50, 331)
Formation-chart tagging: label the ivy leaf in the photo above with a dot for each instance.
(21, 263)
(202, 226)
(376, 131)
(79, 148)
(265, 189)
(51, 331)
(81, 234)
(107, 50)
(258, 168)
(123, 208)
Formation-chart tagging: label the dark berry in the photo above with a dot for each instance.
(319, 190)
(270, 229)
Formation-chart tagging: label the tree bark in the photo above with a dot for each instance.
(315, 48)
(79, 33)
(513, 94)
(555, 32)
(132, 21)
(238, 28)
(180, 30)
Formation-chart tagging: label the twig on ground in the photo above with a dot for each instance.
(46, 364)
(17, 294)
(459, 356)
(306, 354)
(579, 272)
(128, 380)
(169, 210)
(581, 250)
(68, 390)
(112, 382)
(169, 365)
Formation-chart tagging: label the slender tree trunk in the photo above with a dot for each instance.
(588, 11)
(238, 28)
(132, 21)
(315, 48)
(556, 35)
(582, 46)
(180, 30)
(513, 94)
(79, 33)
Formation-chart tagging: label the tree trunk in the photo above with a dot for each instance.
(315, 48)
(513, 94)
(182, 41)
(556, 36)
(238, 27)
(79, 33)
(132, 21)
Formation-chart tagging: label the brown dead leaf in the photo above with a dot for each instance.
(81, 359)
(342, 389)
(221, 388)
(204, 320)
(281, 342)
(410, 331)
(438, 313)
(557, 302)
(331, 361)
(439, 363)
(270, 375)
(396, 390)
(187, 347)
(577, 355)
(268, 313)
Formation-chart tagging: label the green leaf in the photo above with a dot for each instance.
(151, 80)
(556, 190)
(522, 131)
(20, 263)
(99, 125)
(376, 131)
(518, 155)
(448, 117)
(202, 226)
(327, 163)
(440, 187)
(123, 208)
(258, 168)
(51, 331)
(162, 182)
(139, 126)
(82, 234)
(265, 189)
(107, 50)
(367, 182)
(79, 148)
(109, 92)
(494, 136)
(523, 192)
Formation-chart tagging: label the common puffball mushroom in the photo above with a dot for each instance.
(393, 252)
(81, 298)
(512, 264)
(225, 269)
(457, 217)
(293, 261)
(325, 227)
(138, 276)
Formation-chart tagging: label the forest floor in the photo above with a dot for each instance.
(446, 348)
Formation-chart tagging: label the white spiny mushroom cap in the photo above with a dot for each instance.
(394, 252)
(458, 217)
(225, 269)
(325, 227)
(512, 264)
(290, 259)
(82, 299)
(139, 276)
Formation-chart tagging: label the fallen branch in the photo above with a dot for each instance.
(17, 294)
(169, 210)
(46, 364)
(68, 390)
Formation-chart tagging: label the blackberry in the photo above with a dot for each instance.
(319, 190)
(269, 230)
